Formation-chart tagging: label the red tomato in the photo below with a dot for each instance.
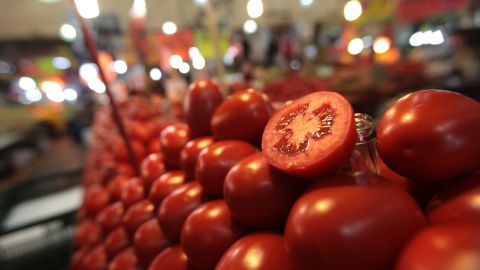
(215, 161)
(189, 155)
(208, 232)
(459, 202)
(110, 217)
(87, 234)
(116, 241)
(176, 207)
(95, 199)
(164, 185)
(95, 259)
(351, 222)
(116, 186)
(151, 168)
(133, 192)
(125, 169)
(201, 100)
(137, 214)
(120, 150)
(172, 140)
(431, 135)
(125, 260)
(258, 251)
(172, 258)
(77, 259)
(149, 242)
(312, 137)
(443, 247)
(154, 145)
(139, 130)
(259, 195)
(242, 116)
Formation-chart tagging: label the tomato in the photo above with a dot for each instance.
(242, 116)
(208, 232)
(189, 155)
(125, 260)
(201, 100)
(258, 251)
(312, 137)
(95, 259)
(133, 192)
(172, 258)
(459, 202)
(149, 242)
(351, 222)
(116, 187)
(120, 150)
(137, 214)
(172, 140)
(215, 161)
(116, 241)
(95, 199)
(431, 135)
(443, 247)
(77, 259)
(87, 234)
(151, 168)
(154, 145)
(176, 207)
(125, 169)
(164, 185)
(110, 217)
(259, 195)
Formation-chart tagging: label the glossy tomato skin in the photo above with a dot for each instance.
(443, 247)
(133, 192)
(215, 161)
(342, 221)
(116, 186)
(87, 234)
(116, 241)
(149, 241)
(208, 232)
(77, 259)
(242, 116)
(137, 214)
(172, 140)
(95, 259)
(458, 202)
(312, 137)
(190, 152)
(431, 135)
(266, 250)
(201, 100)
(172, 258)
(120, 150)
(258, 194)
(110, 217)
(125, 260)
(164, 185)
(151, 168)
(96, 198)
(177, 206)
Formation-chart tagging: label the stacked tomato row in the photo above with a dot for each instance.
(238, 186)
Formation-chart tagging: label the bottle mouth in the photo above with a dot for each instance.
(365, 128)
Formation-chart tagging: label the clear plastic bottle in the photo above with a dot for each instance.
(364, 157)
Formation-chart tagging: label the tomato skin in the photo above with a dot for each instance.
(201, 100)
(120, 150)
(327, 115)
(77, 259)
(177, 206)
(172, 140)
(87, 234)
(116, 241)
(137, 214)
(164, 185)
(116, 186)
(133, 192)
(242, 116)
(458, 202)
(125, 260)
(266, 249)
(258, 194)
(110, 217)
(172, 258)
(443, 247)
(431, 135)
(190, 152)
(208, 232)
(95, 259)
(96, 199)
(151, 168)
(215, 161)
(341, 221)
(148, 242)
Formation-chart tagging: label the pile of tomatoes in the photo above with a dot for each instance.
(237, 185)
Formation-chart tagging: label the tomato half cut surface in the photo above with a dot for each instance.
(311, 137)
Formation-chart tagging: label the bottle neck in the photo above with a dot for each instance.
(364, 157)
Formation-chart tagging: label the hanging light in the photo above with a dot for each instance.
(381, 45)
(67, 32)
(169, 28)
(155, 74)
(250, 26)
(88, 9)
(139, 9)
(254, 8)
(355, 46)
(353, 10)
